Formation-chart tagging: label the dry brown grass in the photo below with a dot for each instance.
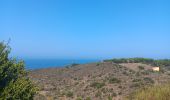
(157, 92)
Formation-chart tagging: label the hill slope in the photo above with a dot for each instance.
(95, 81)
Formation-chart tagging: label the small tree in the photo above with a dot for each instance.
(14, 83)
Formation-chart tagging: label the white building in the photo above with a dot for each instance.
(155, 69)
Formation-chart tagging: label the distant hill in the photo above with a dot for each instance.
(111, 79)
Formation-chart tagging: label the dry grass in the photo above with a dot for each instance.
(157, 92)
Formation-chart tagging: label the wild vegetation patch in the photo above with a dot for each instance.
(97, 84)
(158, 92)
(114, 80)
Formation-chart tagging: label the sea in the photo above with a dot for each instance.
(32, 64)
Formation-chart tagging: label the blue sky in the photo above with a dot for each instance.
(96, 29)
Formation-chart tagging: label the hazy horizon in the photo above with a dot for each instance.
(86, 29)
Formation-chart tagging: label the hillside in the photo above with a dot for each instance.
(96, 81)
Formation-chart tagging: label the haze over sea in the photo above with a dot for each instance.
(84, 29)
(32, 64)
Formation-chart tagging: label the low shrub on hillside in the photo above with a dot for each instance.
(97, 64)
(69, 94)
(79, 98)
(141, 67)
(88, 98)
(114, 80)
(148, 80)
(136, 80)
(145, 72)
(131, 60)
(161, 62)
(135, 85)
(109, 98)
(114, 94)
(98, 94)
(97, 85)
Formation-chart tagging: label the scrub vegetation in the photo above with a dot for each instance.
(157, 92)
(14, 82)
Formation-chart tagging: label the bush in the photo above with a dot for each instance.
(146, 72)
(131, 60)
(141, 67)
(138, 74)
(69, 94)
(97, 64)
(79, 98)
(88, 98)
(14, 83)
(98, 94)
(114, 80)
(136, 80)
(162, 62)
(120, 87)
(148, 80)
(109, 98)
(125, 73)
(114, 94)
(97, 85)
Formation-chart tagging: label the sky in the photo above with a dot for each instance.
(86, 29)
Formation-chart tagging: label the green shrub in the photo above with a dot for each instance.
(138, 74)
(114, 94)
(131, 60)
(69, 94)
(135, 85)
(120, 93)
(97, 85)
(169, 74)
(14, 83)
(125, 73)
(148, 80)
(131, 71)
(141, 67)
(98, 94)
(88, 98)
(120, 87)
(79, 98)
(114, 80)
(161, 62)
(97, 64)
(145, 72)
(136, 80)
(109, 98)
(75, 78)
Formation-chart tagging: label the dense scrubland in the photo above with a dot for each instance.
(159, 62)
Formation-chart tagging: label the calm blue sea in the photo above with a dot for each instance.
(32, 64)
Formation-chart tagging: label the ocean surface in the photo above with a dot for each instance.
(32, 64)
